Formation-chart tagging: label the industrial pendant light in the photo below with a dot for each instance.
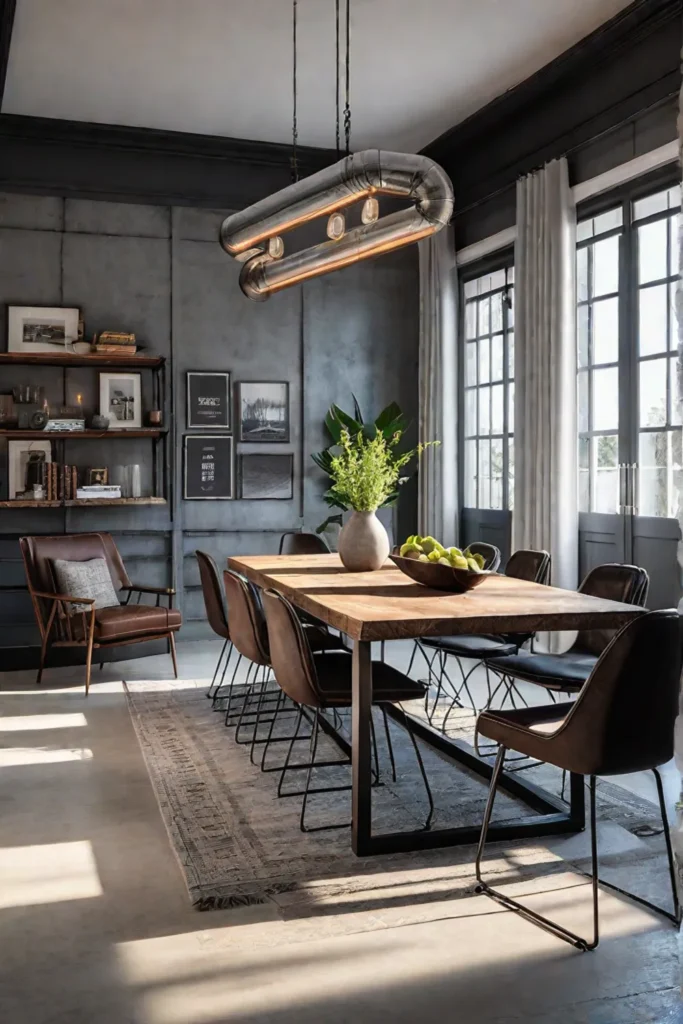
(253, 236)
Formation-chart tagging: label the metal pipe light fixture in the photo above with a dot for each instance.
(253, 236)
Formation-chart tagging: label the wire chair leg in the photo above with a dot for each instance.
(209, 692)
(375, 756)
(289, 751)
(309, 772)
(390, 747)
(231, 688)
(216, 693)
(249, 686)
(676, 917)
(259, 708)
(420, 763)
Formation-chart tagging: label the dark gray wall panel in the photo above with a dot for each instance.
(29, 271)
(46, 212)
(88, 215)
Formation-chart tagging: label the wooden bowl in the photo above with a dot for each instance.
(439, 577)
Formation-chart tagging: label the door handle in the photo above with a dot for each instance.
(621, 507)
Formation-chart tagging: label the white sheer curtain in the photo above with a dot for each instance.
(438, 477)
(545, 512)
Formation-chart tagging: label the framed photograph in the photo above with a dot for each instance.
(208, 400)
(41, 328)
(19, 455)
(97, 476)
(264, 411)
(208, 467)
(267, 477)
(121, 400)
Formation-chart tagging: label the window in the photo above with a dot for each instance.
(627, 348)
(488, 389)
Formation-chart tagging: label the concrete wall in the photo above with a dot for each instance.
(160, 272)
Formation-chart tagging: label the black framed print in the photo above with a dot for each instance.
(267, 477)
(208, 400)
(208, 467)
(264, 411)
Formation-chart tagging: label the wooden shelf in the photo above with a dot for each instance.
(101, 435)
(73, 359)
(81, 502)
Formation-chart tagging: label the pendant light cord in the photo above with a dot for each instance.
(336, 22)
(295, 129)
(347, 107)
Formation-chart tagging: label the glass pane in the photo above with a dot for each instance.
(606, 488)
(674, 228)
(584, 229)
(497, 312)
(471, 412)
(608, 221)
(470, 289)
(653, 457)
(649, 205)
(583, 403)
(484, 362)
(582, 274)
(652, 254)
(606, 331)
(471, 363)
(511, 274)
(498, 279)
(483, 284)
(484, 316)
(652, 320)
(497, 357)
(511, 475)
(510, 304)
(471, 320)
(470, 474)
(673, 318)
(497, 397)
(484, 474)
(653, 393)
(511, 408)
(484, 410)
(674, 393)
(584, 474)
(582, 333)
(606, 266)
(674, 197)
(606, 399)
(511, 355)
(497, 473)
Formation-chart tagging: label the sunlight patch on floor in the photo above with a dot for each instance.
(77, 690)
(34, 723)
(11, 757)
(50, 873)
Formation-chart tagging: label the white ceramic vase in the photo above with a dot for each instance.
(363, 543)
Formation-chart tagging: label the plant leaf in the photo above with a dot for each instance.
(388, 416)
(323, 460)
(353, 426)
(356, 409)
(328, 522)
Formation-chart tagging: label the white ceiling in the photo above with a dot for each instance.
(224, 66)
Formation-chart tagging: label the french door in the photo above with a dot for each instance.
(629, 409)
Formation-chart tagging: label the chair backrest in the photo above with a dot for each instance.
(40, 552)
(614, 582)
(213, 594)
(489, 552)
(302, 544)
(246, 623)
(290, 652)
(623, 719)
(530, 565)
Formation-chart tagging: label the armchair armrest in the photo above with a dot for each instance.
(150, 590)
(64, 597)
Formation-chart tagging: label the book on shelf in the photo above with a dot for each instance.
(92, 493)
(115, 350)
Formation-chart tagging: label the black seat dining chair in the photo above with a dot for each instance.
(622, 721)
(568, 672)
(318, 683)
(530, 565)
(214, 603)
(302, 544)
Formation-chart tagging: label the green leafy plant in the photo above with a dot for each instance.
(389, 422)
(366, 473)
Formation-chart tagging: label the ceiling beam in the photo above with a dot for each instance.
(7, 12)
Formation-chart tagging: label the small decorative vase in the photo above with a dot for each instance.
(363, 543)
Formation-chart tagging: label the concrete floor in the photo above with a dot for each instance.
(96, 928)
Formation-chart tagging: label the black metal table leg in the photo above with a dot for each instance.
(361, 829)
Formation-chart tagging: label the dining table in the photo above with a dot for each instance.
(387, 605)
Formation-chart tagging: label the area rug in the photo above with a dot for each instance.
(238, 844)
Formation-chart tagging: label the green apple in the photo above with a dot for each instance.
(423, 558)
(429, 544)
(433, 556)
(409, 550)
(473, 565)
(444, 561)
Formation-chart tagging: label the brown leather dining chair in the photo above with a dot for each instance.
(92, 628)
(316, 683)
(214, 604)
(621, 722)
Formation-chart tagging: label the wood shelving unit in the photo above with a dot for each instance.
(67, 359)
(81, 503)
(62, 435)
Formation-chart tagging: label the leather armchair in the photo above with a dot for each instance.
(92, 628)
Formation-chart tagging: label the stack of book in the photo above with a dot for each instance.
(60, 483)
(114, 343)
(91, 492)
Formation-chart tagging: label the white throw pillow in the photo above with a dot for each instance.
(85, 579)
